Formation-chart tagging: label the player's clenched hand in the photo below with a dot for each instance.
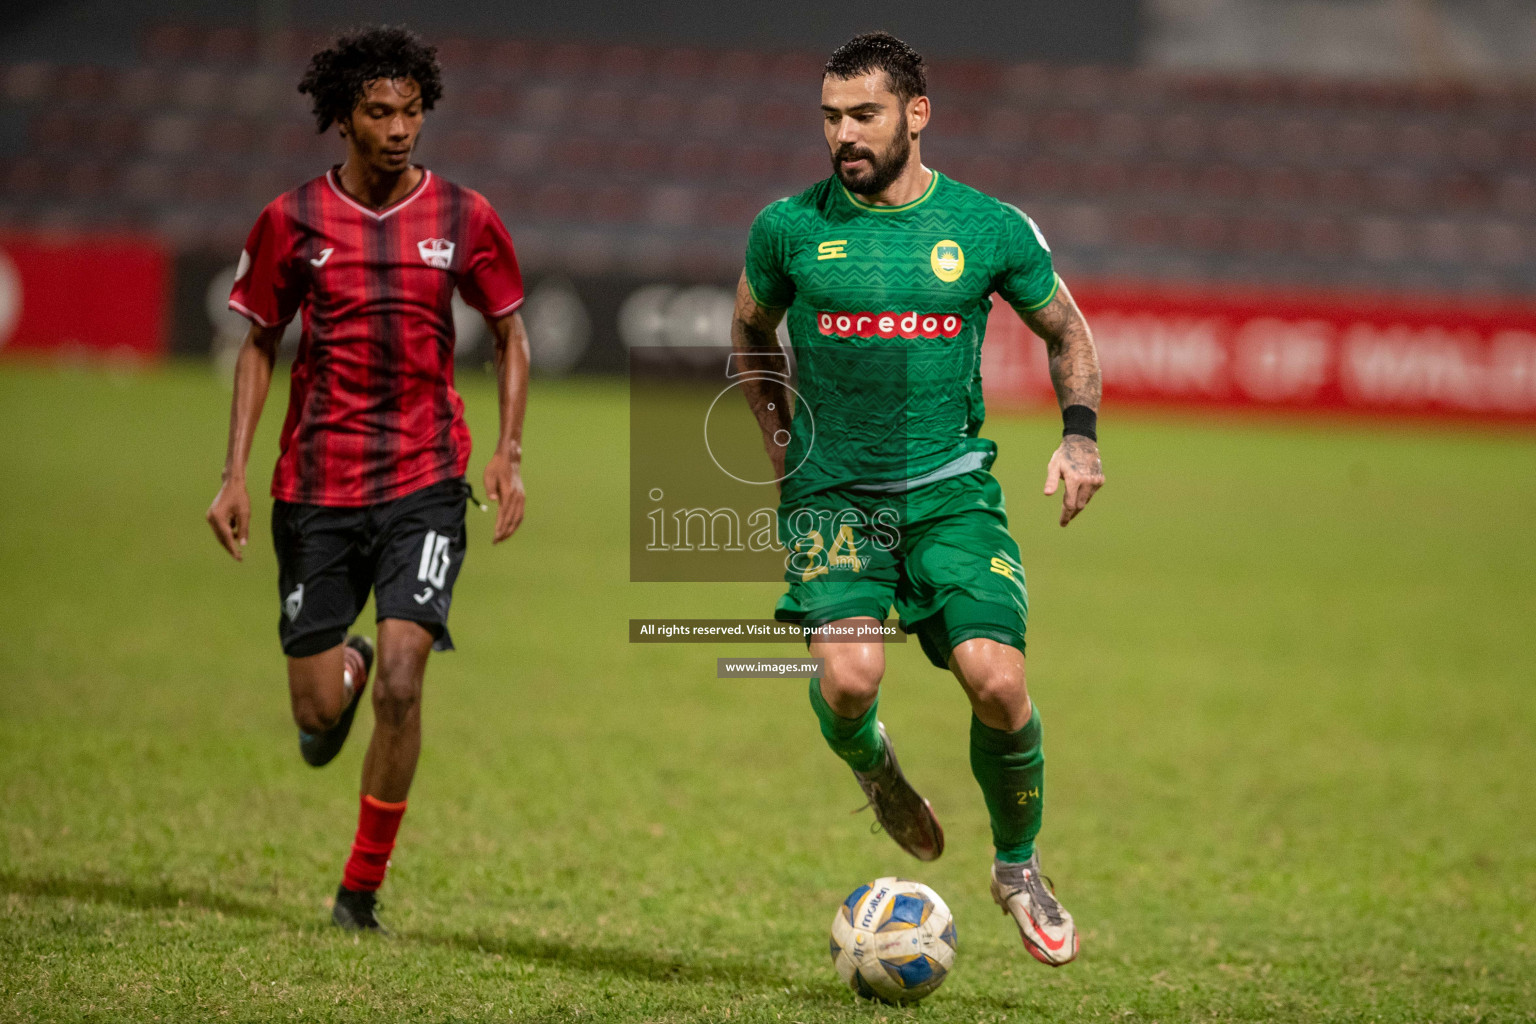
(504, 484)
(1076, 465)
(230, 517)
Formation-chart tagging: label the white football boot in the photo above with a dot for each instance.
(1048, 931)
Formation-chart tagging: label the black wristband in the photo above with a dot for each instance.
(1079, 419)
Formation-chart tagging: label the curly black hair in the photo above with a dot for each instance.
(881, 51)
(338, 74)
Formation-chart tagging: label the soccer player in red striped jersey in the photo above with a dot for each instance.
(369, 486)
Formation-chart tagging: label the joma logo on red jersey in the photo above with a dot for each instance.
(889, 325)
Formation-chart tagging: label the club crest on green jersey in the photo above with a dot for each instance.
(948, 260)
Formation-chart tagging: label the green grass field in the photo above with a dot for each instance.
(1287, 674)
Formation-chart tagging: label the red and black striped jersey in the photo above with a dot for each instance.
(372, 411)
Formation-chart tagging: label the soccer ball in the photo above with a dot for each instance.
(893, 940)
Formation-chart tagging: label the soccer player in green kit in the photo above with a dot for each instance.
(885, 271)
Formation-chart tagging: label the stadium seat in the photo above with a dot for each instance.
(138, 88)
(1162, 178)
(1517, 195)
(1245, 139)
(1382, 240)
(28, 178)
(1419, 142)
(565, 60)
(1227, 181)
(625, 63)
(555, 201)
(1321, 238)
(507, 59)
(1341, 186)
(1442, 241)
(487, 101)
(730, 208)
(1203, 230)
(1477, 146)
(657, 112)
(1501, 244)
(639, 158)
(26, 84)
(742, 68)
(1105, 178)
(460, 148)
(1281, 185)
(1299, 141)
(460, 54)
(52, 130)
(170, 43)
(235, 138)
(228, 46)
(752, 164)
(781, 117)
(206, 183)
(520, 151)
(1263, 233)
(1044, 175)
(695, 160)
(1464, 190)
(200, 89)
(1182, 136)
(613, 204)
(1356, 141)
(1121, 133)
(989, 172)
(1145, 227)
(1077, 226)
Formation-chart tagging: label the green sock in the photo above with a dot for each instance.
(855, 740)
(1011, 769)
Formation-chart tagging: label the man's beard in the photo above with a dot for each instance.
(882, 171)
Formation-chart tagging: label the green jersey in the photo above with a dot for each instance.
(887, 308)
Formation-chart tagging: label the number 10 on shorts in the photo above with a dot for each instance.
(434, 560)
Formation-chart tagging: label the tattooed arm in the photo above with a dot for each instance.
(753, 333)
(1075, 375)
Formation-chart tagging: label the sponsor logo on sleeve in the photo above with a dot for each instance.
(1039, 236)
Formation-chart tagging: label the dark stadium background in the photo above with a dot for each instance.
(632, 144)
(1286, 654)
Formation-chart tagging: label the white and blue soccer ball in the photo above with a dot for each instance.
(893, 940)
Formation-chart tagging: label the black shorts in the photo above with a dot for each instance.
(407, 551)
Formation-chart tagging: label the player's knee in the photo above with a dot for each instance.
(1000, 689)
(396, 697)
(851, 676)
(311, 717)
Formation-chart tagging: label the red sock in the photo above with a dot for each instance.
(377, 824)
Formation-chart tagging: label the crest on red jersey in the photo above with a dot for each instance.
(436, 252)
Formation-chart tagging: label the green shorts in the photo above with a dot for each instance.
(941, 553)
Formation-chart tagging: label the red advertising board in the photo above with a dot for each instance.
(83, 296)
(1253, 351)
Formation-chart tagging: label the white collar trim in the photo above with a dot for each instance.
(331, 179)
